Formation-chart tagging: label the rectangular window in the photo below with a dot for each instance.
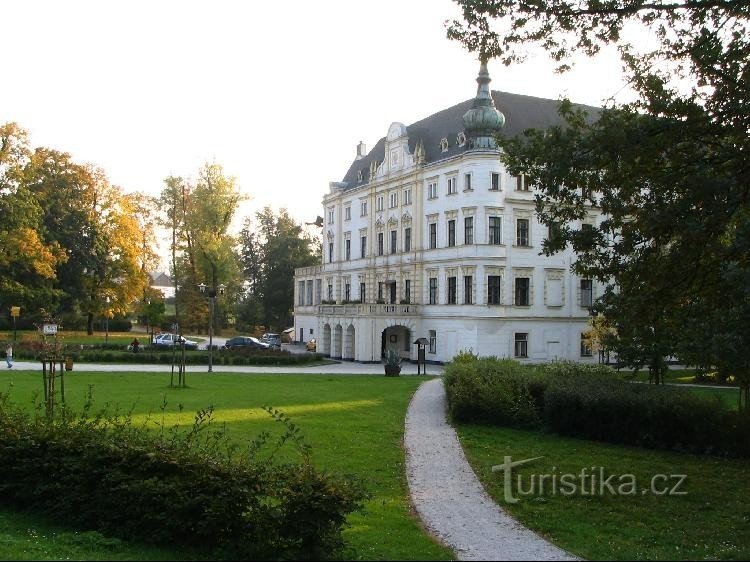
(522, 345)
(451, 290)
(362, 292)
(330, 292)
(467, 182)
(554, 292)
(495, 181)
(468, 288)
(380, 243)
(330, 215)
(522, 232)
(433, 290)
(407, 239)
(587, 293)
(553, 231)
(379, 203)
(330, 252)
(468, 230)
(521, 183)
(347, 213)
(452, 186)
(362, 246)
(586, 350)
(348, 292)
(433, 235)
(587, 236)
(493, 289)
(393, 200)
(363, 209)
(496, 230)
(318, 290)
(522, 291)
(432, 190)
(301, 293)
(452, 232)
(433, 342)
(407, 290)
(380, 291)
(348, 249)
(309, 299)
(407, 196)
(393, 241)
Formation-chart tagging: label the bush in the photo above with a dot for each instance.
(102, 472)
(587, 401)
(639, 414)
(494, 391)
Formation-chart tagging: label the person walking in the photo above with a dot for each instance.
(9, 355)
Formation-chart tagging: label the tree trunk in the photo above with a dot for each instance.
(90, 324)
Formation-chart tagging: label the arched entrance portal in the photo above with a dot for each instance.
(398, 338)
(338, 340)
(349, 343)
(325, 347)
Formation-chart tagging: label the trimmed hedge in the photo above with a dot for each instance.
(588, 401)
(100, 472)
(114, 353)
(493, 391)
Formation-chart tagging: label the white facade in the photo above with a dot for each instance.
(447, 250)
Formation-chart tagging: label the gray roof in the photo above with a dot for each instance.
(521, 113)
(161, 280)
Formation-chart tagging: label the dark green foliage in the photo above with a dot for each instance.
(189, 488)
(495, 391)
(607, 409)
(589, 401)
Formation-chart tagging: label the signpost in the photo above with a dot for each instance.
(15, 312)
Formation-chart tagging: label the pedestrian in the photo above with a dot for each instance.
(9, 355)
(135, 345)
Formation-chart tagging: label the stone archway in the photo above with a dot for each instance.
(349, 343)
(396, 337)
(325, 347)
(338, 341)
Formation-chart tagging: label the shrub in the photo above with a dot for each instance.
(586, 401)
(102, 472)
(614, 411)
(491, 390)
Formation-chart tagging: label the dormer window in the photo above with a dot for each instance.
(444, 144)
(359, 175)
(461, 139)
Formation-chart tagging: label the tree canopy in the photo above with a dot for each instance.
(669, 172)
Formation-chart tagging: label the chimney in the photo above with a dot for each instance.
(361, 150)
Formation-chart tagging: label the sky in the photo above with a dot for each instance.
(278, 94)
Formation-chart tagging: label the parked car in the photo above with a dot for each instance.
(274, 340)
(169, 340)
(312, 345)
(245, 341)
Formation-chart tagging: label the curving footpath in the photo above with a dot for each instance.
(448, 496)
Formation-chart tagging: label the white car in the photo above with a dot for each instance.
(169, 340)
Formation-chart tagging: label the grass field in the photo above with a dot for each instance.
(354, 424)
(711, 522)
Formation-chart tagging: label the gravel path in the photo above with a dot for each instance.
(449, 498)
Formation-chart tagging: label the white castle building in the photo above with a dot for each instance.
(428, 236)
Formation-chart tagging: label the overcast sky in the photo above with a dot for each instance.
(278, 93)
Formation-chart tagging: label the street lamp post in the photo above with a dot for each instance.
(106, 323)
(211, 301)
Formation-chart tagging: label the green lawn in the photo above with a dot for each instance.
(354, 423)
(711, 522)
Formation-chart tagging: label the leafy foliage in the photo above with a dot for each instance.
(173, 487)
(669, 172)
(588, 401)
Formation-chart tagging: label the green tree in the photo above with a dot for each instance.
(199, 216)
(669, 171)
(272, 247)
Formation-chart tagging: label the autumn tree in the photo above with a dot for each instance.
(199, 215)
(669, 172)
